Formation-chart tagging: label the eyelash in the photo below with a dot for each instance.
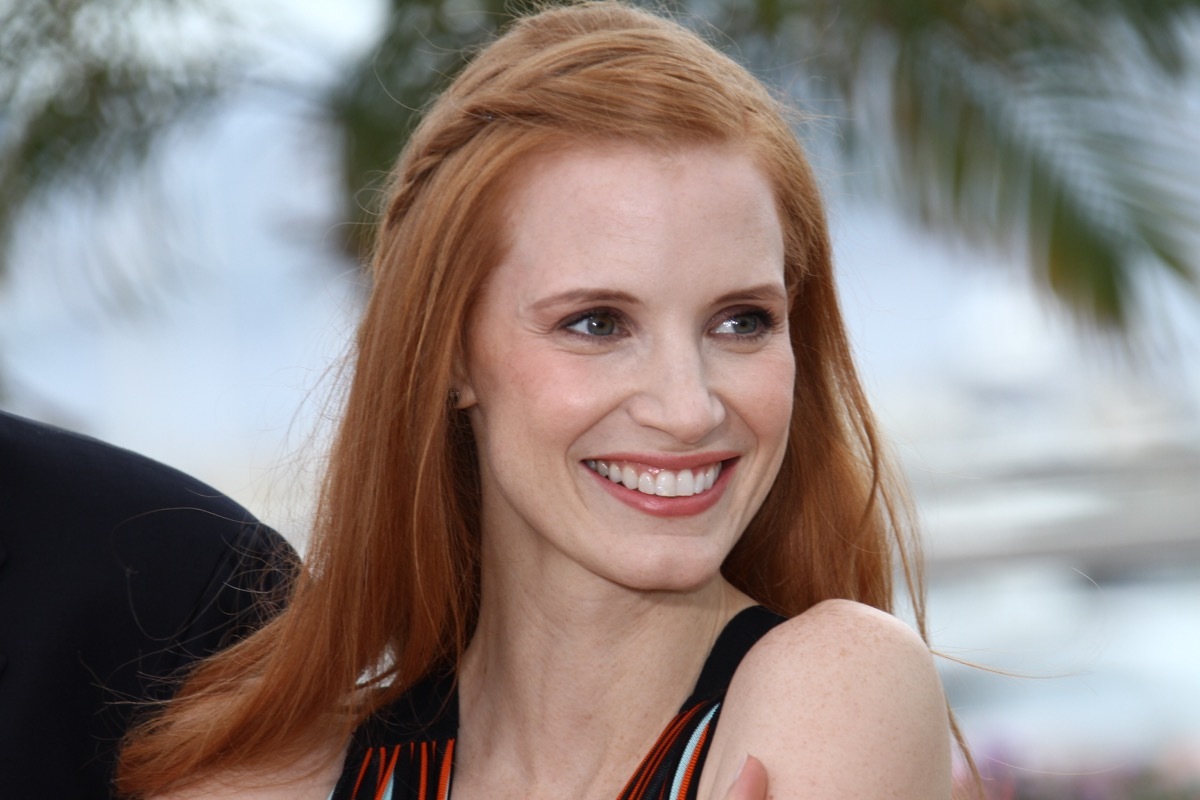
(768, 322)
(617, 317)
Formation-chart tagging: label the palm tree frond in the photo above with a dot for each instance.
(1047, 145)
(424, 45)
(85, 92)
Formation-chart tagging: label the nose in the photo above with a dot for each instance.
(676, 396)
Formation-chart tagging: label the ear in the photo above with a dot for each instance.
(462, 393)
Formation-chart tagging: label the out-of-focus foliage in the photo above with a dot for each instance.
(1039, 125)
(424, 44)
(86, 87)
(1039, 122)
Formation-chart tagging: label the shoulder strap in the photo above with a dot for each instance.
(739, 635)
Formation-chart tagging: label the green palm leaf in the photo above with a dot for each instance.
(1040, 126)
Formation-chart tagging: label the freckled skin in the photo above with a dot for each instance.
(670, 247)
(841, 702)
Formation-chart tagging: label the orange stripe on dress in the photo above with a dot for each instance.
(637, 782)
(386, 775)
(443, 790)
(424, 771)
(362, 771)
(650, 764)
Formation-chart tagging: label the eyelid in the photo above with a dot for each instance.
(619, 323)
(770, 321)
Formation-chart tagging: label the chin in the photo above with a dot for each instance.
(670, 573)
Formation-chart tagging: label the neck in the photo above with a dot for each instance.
(567, 687)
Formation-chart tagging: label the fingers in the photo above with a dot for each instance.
(750, 783)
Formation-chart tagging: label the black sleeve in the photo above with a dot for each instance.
(116, 572)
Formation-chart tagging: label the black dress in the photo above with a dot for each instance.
(406, 750)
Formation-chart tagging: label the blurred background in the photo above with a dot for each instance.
(186, 191)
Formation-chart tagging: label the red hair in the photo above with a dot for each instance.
(391, 586)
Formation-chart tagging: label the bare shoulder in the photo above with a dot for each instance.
(842, 701)
(310, 778)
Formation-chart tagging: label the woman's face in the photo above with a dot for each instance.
(629, 375)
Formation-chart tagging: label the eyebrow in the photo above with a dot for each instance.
(584, 296)
(765, 292)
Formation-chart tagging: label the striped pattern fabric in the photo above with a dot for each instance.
(422, 770)
(667, 771)
(406, 751)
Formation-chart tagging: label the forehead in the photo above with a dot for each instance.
(608, 176)
(617, 211)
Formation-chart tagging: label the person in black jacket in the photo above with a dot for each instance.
(116, 572)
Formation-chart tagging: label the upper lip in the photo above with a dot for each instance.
(671, 461)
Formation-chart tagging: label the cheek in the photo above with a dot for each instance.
(556, 383)
(767, 397)
(556, 395)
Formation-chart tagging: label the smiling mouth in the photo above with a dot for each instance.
(657, 481)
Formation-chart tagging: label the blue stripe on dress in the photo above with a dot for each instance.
(692, 744)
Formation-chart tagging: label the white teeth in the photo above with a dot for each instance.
(660, 482)
(629, 477)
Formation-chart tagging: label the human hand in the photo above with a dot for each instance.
(750, 783)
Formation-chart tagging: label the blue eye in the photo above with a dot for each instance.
(746, 323)
(594, 323)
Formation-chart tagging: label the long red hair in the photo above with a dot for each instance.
(391, 583)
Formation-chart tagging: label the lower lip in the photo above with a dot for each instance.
(668, 506)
